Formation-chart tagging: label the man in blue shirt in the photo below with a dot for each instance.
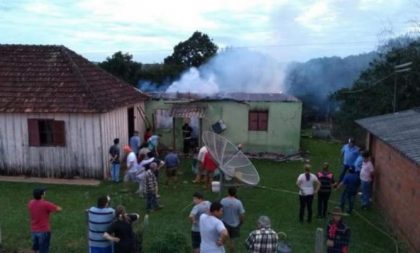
(135, 142)
(172, 165)
(350, 183)
(99, 219)
(349, 152)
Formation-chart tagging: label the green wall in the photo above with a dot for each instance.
(282, 135)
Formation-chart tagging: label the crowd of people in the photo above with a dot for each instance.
(213, 224)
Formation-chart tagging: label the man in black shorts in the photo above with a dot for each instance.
(233, 216)
(200, 206)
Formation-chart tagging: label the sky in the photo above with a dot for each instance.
(288, 30)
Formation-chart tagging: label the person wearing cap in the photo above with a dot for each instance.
(100, 217)
(350, 183)
(337, 233)
(200, 206)
(263, 239)
(114, 153)
(349, 153)
(39, 212)
(308, 185)
(326, 178)
(233, 216)
(212, 230)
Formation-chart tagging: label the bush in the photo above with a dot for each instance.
(170, 242)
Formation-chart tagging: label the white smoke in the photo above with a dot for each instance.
(233, 70)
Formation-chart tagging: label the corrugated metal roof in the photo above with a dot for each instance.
(236, 96)
(401, 130)
(188, 112)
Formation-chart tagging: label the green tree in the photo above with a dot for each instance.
(373, 92)
(193, 52)
(122, 65)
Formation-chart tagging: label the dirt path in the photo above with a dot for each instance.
(22, 179)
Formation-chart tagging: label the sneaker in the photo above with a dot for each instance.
(157, 196)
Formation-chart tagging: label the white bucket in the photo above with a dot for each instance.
(215, 186)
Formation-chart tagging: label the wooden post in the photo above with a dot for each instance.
(319, 240)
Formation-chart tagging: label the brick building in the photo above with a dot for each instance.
(394, 141)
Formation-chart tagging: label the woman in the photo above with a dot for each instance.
(308, 185)
(121, 232)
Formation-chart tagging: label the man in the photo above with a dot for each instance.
(172, 164)
(212, 231)
(186, 134)
(349, 153)
(114, 153)
(366, 178)
(153, 143)
(233, 216)
(200, 159)
(99, 219)
(39, 211)
(135, 142)
(338, 234)
(151, 186)
(326, 178)
(131, 164)
(263, 239)
(200, 206)
(350, 183)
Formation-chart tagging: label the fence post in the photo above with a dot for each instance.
(319, 240)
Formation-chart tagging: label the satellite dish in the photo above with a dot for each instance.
(231, 160)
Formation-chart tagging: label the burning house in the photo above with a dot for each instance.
(59, 113)
(262, 122)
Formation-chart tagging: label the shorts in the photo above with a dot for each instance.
(232, 231)
(171, 172)
(195, 240)
(41, 241)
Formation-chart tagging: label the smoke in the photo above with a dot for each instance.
(231, 70)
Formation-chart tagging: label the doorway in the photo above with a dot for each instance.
(130, 116)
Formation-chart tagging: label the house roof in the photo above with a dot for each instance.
(54, 79)
(400, 130)
(182, 111)
(236, 96)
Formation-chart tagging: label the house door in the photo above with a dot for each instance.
(130, 116)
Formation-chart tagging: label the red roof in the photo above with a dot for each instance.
(54, 79)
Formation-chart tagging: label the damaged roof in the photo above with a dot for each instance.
(400, 130)
(54, 79)
(236, 96)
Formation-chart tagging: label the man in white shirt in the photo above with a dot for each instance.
(200, 158)
(131, 164)
(308, 185)
(366, 178)
(212, 231)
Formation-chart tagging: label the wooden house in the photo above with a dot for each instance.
(59, 113)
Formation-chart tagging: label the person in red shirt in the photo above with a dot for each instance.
(209, 166)
(39, 211)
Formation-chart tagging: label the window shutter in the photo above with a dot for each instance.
(33, 132)
(59, 133)
(263, 121)
(253, 121)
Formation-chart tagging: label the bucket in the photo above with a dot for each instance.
(215, 186)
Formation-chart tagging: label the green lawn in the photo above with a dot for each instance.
(69, 227)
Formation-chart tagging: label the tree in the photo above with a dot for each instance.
(193, 52)
(373, 92)
(122, 65)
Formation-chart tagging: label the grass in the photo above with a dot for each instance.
(69, 227)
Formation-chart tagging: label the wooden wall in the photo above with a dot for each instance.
(88, 138)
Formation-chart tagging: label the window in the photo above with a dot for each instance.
(46, 132)
(163, 118)
(258, 121)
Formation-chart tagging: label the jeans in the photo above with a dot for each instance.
(366, 193)
(115, 172)
(305, 201)
(151, 201)
(343, 172)
(323, 198)
(41, 241)
(100, 250)
(349, 196)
